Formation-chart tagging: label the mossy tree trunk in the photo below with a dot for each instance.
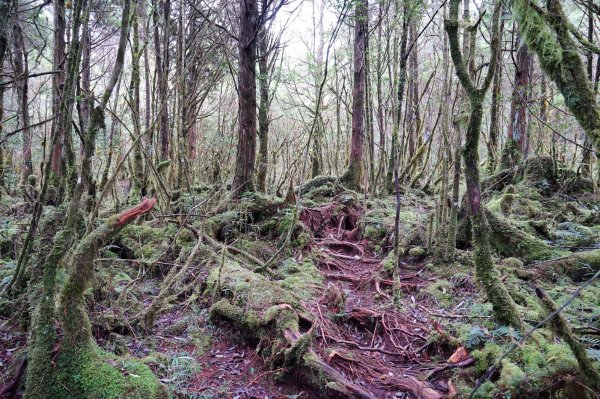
(263, 109)
(503, 305)
(548, 34)
(393, 164)
(77, 341)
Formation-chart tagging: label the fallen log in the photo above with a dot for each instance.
(579, 266)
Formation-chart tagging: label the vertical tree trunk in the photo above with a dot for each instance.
(517, 129)
(4, 13)
(380, 106)
(503, 305)
(400, 97)
(246, 146)
(495, 111)
(586, 158)
(20, 66)
(138, 187)
(263, 110)
(161, 46)
(369, 129)
(353, 176)
(317, 151)
(58, 80)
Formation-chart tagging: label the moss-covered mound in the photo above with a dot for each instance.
(97, 374)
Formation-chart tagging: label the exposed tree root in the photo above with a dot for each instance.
(271, 315)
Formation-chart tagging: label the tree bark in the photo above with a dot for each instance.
(353, 176)
(503, 304)
(21, 70)
(246, 146)
(517, 129)
(263, 110)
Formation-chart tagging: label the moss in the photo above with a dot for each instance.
(512, 263)
(442, 291)
(147, 243)
(247, 289)
(417, 252)
(578, 266)
(202, 342)
(301, 278)
(508, 240)
(486, 356)
(389, 263)
(95, 374)
(511, 376)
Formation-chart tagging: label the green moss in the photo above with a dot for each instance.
(442, 291)
(148, 243)
(389, 263)
(417, 252)
(511, 376)
(512, 263)
(509, 240)
(486, 356)
(202, 342)
(99, 375)
(301, 278)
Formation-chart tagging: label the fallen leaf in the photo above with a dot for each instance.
(459, 355)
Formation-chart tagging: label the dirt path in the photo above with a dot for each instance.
(360, 332)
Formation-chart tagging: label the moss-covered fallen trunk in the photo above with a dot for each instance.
(510, 241)
(267, 313)
(579, 266)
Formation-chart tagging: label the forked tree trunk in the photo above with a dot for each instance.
(504, 307)
(246, 146)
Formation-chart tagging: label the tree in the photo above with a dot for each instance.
(548, 33)
(352, 178)
(503, 304)
(518, 140)
(246, 147)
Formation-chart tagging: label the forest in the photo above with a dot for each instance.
(299, 199)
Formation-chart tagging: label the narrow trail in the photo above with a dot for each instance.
(360, 332)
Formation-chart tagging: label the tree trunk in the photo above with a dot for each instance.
(4, 13)
(495, 112)
(246, 146)
(161, 45)
(58, 81)
(400, 93)
(21, 70)
(503, 305)
(263, 110)
(138, 187)
(353, 176)
(517, 129)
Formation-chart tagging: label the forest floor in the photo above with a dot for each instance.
(431, 336)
